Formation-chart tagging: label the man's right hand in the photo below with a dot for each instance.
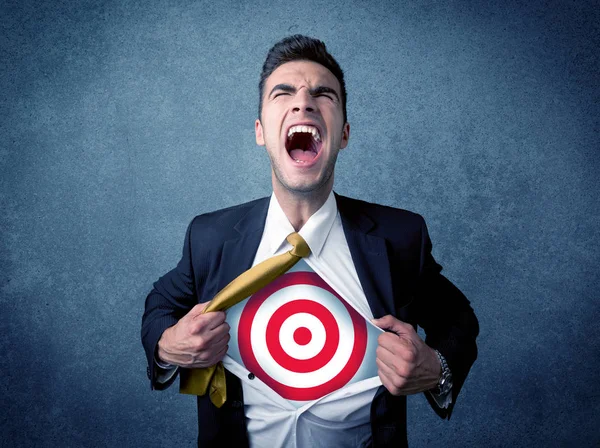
(197, 340)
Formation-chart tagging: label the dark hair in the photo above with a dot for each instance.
(297, 48)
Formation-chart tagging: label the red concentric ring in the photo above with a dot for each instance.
(332, 338)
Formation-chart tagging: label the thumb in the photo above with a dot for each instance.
(392, 324)
(198, 309)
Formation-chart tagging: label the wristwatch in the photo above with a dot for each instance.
(445, 382)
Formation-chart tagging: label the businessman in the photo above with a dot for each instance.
(379, 256)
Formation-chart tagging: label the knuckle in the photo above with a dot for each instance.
(404, 371)
(200, 357)
(399, 368)
(200, 344)
(198, 306)
(217, 316)
(398, 384)
(196, 326)
(196, 311)
(410, 355)
(384, 338)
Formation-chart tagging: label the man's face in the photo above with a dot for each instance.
(302, 125)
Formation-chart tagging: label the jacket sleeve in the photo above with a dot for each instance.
(172, 296)
(448, 320)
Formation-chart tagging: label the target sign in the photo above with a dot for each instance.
(300, 337)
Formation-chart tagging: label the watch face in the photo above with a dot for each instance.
(446, 382)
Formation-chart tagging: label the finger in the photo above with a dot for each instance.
(214, 352)
(402, 365)
(390, 323)
(219, 332)
(206, 326)
(197, 309)
(386, 383)
(397, 385)
(224, 340)
(384, 368)
(394, 343)
(218, 356)
(394, 386)
(215, 334)
(205, 350)
(211, 320)
(221, 354)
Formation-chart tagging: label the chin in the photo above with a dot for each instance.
(303, 186)
(298, 180)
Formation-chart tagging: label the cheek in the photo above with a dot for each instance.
(271, 126)
(334, 117)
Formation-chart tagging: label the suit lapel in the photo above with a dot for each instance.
(239, 251)
(369, 255)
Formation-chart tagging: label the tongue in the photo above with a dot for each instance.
(300, 154)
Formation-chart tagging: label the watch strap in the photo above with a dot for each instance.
(445, 381)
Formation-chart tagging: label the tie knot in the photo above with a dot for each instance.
(300, 249)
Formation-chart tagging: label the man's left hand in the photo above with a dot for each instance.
(406, 365)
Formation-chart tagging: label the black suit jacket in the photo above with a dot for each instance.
(391, 251)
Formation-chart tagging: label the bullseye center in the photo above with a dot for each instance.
(302, 336)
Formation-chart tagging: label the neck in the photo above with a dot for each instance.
(298, 206)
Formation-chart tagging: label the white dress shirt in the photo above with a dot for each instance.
(342, 418)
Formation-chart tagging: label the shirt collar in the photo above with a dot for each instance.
(315, 231)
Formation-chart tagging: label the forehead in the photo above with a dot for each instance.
(299, 73)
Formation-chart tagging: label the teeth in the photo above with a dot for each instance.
(307, 130)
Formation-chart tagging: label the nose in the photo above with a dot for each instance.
(304, 101)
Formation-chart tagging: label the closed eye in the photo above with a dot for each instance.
(317, 95)
(326, 96)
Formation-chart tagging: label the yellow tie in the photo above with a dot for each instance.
(197, 381)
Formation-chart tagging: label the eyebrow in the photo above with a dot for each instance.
(316, 91)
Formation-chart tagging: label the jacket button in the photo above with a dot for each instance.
(148, 372)
(236, 404)
(250, 376)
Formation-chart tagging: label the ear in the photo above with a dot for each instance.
(345, 135)
(258, 130)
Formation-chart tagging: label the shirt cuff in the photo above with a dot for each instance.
(442, 400)
(162, 365)
(165, 371)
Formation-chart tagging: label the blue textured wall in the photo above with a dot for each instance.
(121, 121)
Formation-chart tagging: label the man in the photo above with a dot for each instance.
(380, 255)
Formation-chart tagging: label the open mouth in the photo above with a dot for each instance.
(303, 143)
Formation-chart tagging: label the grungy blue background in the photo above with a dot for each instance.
(122, 120)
